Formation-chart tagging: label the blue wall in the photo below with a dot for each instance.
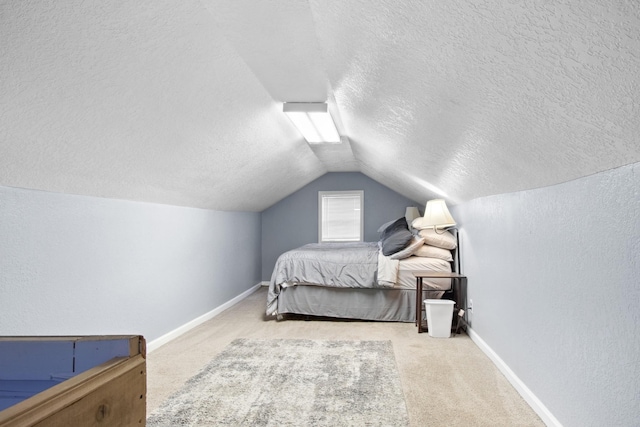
(76, 265)
(554, 274)
(293, 221)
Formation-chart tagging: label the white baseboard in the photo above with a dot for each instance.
(264, 284)
(535, 403)
(153, 345)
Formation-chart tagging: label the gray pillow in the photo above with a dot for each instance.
(396, 241)
(400, 223)
(385, 225)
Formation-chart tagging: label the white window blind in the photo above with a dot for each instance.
(340, 216)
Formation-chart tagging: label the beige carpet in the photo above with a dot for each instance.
(446, 381)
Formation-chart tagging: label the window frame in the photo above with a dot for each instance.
(321, 195)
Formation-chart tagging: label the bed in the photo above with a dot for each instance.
(360, 280)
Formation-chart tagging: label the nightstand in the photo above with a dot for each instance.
(458, 289)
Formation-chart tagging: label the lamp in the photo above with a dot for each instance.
(436, 216)
(313, 120)
(411, 213)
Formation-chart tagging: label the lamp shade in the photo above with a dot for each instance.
(436, 216)
(411, 213)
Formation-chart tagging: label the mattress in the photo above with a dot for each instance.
(406, 279)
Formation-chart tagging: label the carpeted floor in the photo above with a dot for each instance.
(263, 382)
(445, 381)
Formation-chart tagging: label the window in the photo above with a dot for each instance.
(340, 216)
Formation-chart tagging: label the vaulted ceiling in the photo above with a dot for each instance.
(180, 102)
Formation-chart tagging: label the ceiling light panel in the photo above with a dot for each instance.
(313, 120)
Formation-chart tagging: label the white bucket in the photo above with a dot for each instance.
(439, 317)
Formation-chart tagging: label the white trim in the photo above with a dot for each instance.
(153, 345)
(263, 283)
(535, 403)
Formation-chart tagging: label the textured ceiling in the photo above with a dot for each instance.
(179, 102)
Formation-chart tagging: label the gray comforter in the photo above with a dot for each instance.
(340, 265)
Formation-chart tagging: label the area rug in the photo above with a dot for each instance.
(263, 382)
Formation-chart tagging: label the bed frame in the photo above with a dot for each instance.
(72, 381)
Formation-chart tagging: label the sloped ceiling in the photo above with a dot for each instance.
(180, 102)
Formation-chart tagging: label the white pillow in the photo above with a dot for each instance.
(429, 251)
(444, 240)
(414, 244)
